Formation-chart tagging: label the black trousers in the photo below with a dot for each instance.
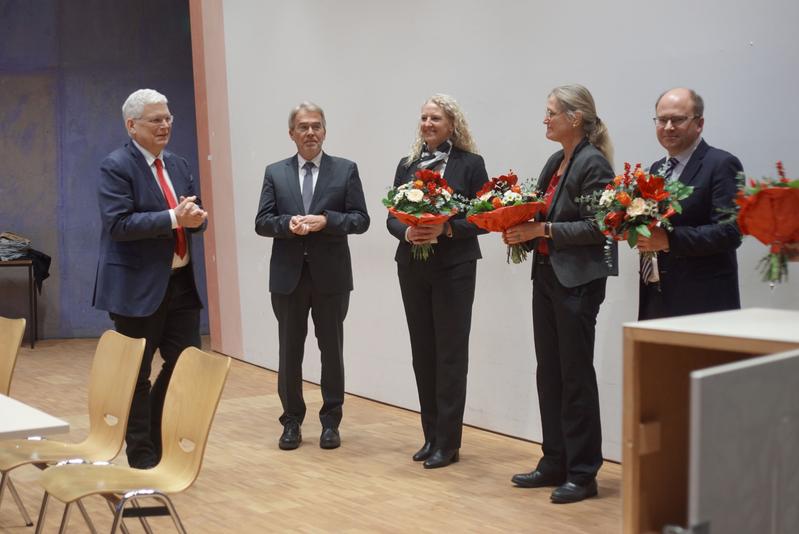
(564, 324)
(438, 308)
(328, 311)
(174, 326)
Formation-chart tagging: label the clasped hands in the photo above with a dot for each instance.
(188, 214)
(424, 234)
(305, 224)
(659, 241)
(523, 232)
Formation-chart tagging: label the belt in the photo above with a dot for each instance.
(178, 270)
(542, 259)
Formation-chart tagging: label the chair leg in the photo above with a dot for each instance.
(172, 512)
(86, 517)
(65, 518)
(143, 520)
(122, 526)
(18, 500)
(118, 509)
(5, 480)
(42, 512)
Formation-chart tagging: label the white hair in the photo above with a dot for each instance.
(134, 105)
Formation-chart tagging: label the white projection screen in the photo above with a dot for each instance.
(371, 64)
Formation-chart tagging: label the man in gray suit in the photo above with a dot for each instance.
(309, 203)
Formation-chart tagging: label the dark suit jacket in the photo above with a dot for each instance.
(339, 195)
(700, 272)
(465, 173)
(137, 242)
(577, 247)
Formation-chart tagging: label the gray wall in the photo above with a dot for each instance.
(372, 64)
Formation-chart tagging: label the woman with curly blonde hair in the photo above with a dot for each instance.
(438, 292)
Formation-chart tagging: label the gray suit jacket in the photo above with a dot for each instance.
(577, 247)
(338, 195)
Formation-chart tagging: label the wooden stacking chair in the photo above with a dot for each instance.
(113, 378)
(11, 332)
(191, 401)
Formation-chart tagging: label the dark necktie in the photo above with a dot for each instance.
(307, 185)
(647, 264)
(671, 164)
(180, 241)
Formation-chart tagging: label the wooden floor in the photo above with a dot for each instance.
(370, 484)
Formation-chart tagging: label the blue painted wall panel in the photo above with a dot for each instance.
(95, 54)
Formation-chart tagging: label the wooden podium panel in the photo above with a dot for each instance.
(659, 355)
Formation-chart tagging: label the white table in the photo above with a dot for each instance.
(18, 420)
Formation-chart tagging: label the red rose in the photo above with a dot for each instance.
(614, 219)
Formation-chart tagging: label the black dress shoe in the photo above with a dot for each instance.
(441, 458)
(537, 479)
(291, 437)
(330, 438)
(423, 453)
(571, 492)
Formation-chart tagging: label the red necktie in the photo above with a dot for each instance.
(180, 243)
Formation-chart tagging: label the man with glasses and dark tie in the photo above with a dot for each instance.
(149, 210)
(696, 269)
(309, 203)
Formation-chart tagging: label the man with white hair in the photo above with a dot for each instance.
(149, 210)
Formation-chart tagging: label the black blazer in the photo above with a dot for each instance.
(465, 173)
(700, 272)
(137, 242)
(339, 195)
(577, 246)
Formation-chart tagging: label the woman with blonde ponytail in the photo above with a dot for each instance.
(570, 269)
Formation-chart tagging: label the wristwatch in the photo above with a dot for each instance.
(548, 230)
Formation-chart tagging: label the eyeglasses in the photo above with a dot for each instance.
(157, 121)
(315, 127)
(549, 113)
(676, 122)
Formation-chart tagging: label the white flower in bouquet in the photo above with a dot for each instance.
(607, 197)
(415, 195)
(651, 209)
(486, 196)
(510, 197)
(446, 194)
(637, 207)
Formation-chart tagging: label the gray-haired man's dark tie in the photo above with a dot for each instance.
(307, 185)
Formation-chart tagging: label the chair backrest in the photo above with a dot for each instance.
(189, 408)
(113, 378)
(11, 332)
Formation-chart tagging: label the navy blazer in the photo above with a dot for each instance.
(338, 195)
(137, 241)
(700, 272)
(465, 173)
(577, 246)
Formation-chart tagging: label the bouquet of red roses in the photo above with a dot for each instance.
(427, 199)
(634, 203)
(769, 210)
(501, 204)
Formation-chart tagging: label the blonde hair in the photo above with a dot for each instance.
(461, 136)
(574, 98)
